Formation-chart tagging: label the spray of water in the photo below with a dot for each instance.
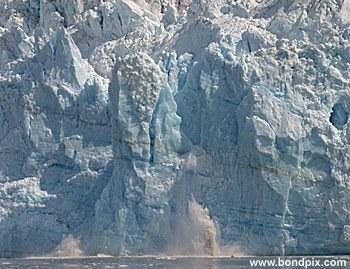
(69, 247)
(198, 235)
(203, 230)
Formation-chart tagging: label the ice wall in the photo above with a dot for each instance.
(113, 114)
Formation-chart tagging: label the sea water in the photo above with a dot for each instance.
(144, 263)
(130, 263)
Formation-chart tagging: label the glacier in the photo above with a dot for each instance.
(116, 114)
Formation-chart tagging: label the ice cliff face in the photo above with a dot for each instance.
(113, 114)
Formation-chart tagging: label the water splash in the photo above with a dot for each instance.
(198, 234)
(195, 233)
(69, 247)
(203, 230)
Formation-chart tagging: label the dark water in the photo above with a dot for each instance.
(144, 263)
(128, 263)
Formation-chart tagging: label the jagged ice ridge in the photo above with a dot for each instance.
(114, 113)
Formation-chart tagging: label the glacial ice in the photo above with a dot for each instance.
(114, 114)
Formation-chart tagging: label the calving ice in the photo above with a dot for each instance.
(147, 127)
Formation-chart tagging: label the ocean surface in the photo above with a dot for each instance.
(142, 262)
